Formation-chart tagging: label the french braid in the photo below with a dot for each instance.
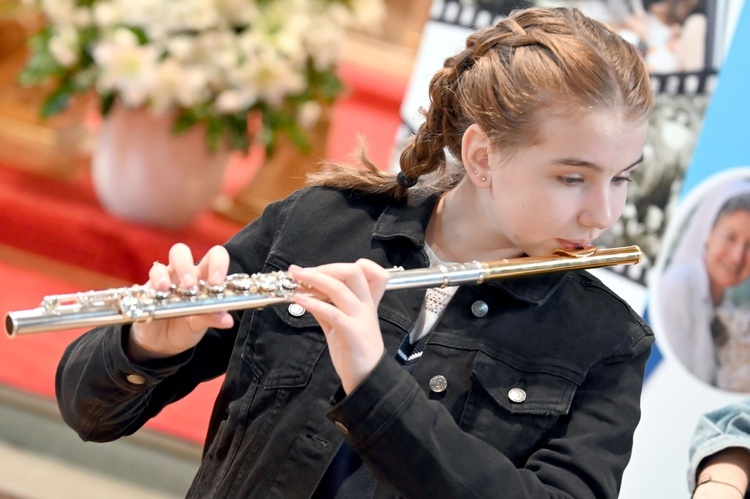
(506, 78)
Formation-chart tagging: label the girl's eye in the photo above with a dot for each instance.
(570, 180)
(621, 180)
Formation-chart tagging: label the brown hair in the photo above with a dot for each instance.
(504, 80)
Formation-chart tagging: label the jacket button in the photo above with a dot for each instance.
(135, 379)
(517, 395)
(479, 308)
(438, 383)
(343, 429)
(296, 310)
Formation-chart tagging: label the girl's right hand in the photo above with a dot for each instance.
(347, 310)
(168, 337)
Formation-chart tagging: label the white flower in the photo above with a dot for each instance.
(64, 46)
(59, 12)
(368, 15)
(126, 67)
(323, 42)
(107, 14)
(271, 77)
(175, 85)
(236, 12)
(309, 114)
(235, 100)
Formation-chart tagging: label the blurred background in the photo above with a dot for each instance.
(58, 235)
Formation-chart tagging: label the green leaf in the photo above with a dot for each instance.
(183, 122)
(85, 79)
(56, 102)
(240, 142)
(140, 34)
(106, 101)
(213, 133)
(267, 137)
(297, 137)
(235, 127)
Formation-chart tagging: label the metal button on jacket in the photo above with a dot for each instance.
(135, 379)
(517, 395)
(296, 310)
(438, 383)
(479, 308)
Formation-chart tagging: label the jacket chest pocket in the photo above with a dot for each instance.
(512, 409)
(283, 346)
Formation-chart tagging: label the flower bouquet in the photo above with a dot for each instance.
(244, 69)
(168, 74)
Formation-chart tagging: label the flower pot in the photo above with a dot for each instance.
(144, 172)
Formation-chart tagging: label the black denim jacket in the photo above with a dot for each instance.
(542, 394)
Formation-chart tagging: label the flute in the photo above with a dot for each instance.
(246, 291)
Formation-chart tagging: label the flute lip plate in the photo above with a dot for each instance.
(576, 252)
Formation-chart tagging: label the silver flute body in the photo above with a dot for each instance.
(243, 291)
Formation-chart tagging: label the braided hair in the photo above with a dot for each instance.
(504, 80)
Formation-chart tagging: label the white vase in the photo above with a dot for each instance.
(144, 172)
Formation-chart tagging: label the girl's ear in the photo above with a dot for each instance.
(475, 153)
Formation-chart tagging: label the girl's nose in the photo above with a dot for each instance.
(598, 211)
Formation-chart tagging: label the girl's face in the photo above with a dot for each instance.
(728, 250)
(567, 188)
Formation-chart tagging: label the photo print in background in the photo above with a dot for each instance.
(700, 286)
(675, 395)
(683, 42)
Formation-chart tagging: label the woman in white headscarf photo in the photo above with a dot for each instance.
(708, 333)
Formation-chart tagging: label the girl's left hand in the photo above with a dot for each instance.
(347, 312)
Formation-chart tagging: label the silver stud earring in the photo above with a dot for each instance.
(475, 172)
(484, 179)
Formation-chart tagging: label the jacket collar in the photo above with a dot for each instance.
(409, 220)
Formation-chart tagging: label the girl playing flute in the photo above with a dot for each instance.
(524, 387)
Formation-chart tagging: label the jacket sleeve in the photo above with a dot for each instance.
(102, 395)
(414, 445)
(728, 426)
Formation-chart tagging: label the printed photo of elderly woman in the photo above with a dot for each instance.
(701, 291)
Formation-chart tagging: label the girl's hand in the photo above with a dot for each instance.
(348, 314)
(168, 337)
